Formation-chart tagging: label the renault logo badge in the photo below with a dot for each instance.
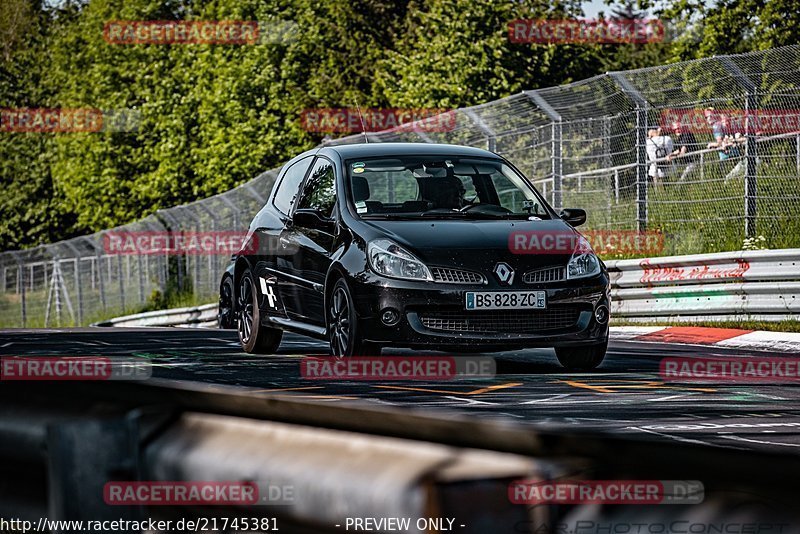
(504, 273)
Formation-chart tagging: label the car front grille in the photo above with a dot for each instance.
(501, 321)
(543, 276)
(456, 276)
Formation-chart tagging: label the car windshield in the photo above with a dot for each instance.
(441, 187)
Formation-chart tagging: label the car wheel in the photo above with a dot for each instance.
(226, 317)
(581, 358)
(343, 329)
(254, 337)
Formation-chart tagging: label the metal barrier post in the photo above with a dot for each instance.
(641, 147)
(77, 277)
(556, 147)
(213, 259)
(797, 153)
(750, 147)
(21, 282)
(99, 273)
(121, 283)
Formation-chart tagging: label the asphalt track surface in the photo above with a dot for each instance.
(624, 396)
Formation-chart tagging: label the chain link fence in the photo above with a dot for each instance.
(590, 144)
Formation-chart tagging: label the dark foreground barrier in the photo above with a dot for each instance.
(124, 451)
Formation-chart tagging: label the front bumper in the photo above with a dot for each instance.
(432, 315)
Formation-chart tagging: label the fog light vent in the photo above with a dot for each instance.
(390, 317)
(601, 314)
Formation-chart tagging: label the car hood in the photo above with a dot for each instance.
(474, 244)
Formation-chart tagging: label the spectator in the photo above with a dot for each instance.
(659, 147)
(728, 144)
(685, 142)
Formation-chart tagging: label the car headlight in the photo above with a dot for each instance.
(390, 259)
(584, 261)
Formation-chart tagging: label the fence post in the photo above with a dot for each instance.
(491, 136)
(556, 140)
(23, 300)
(77, 277)
(194, 259)
(234, 211)
(121, 283)
(100, 275)
(141, 276)
(702, 167)
(641, 147)
(750, 147)
(21, 282)
(172, 227)
(213, 259)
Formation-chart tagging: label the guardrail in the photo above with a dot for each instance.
(204, 316)
(761, 285)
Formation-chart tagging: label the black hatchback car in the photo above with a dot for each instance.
(416, 245)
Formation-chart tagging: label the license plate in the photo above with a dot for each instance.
(505, 300)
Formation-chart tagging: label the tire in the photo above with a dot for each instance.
(343, 329)
(226, 315)
(254, 337)
(581, 358)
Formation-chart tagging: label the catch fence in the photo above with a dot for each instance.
(587, 144)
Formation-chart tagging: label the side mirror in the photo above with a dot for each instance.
(573, 216)
(311, 218)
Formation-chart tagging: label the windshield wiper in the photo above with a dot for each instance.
(467, 215)
(475, 215)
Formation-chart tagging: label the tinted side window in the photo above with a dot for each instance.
(320, 190)
(288, 189)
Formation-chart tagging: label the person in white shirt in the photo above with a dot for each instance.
(659, 147)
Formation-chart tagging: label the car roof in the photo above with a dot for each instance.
(365, 150)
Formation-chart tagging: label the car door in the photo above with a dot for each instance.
(312, 236)
(276, 266)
